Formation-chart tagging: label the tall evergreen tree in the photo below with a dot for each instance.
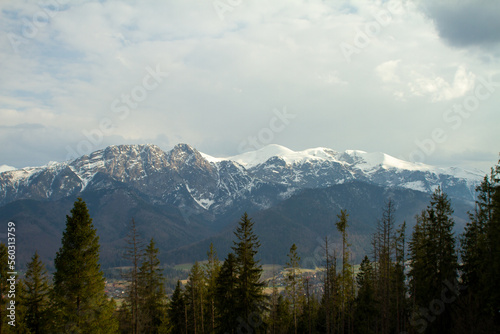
(346, 283)
(195, 299)
(493, 244)
(22, 314)
(331, 300)
(35, 292)
(474, 246)
(176, 311)
(389, 277)
(284, 319)
(472, 313)
(134, 252)
(251, 301)
(367, 309)
(310, 307)
(212, 269)
(294, 288)
(152, 296)
(81, 305)
(227, 296)
(434, 263)
(385, 241)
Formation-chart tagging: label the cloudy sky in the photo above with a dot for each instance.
(419, 80)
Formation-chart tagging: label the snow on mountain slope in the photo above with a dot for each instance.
(184, 175)
(364, 161)
(6, 168)
(257, 157)
(322, 167)
(254, 158)
(367, 161)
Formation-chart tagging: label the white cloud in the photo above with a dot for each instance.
(387, 71)
(439, 89)
(226, 76)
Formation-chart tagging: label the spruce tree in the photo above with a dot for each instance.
(272, 319)
(284, 324)
(212, 269)
(346, 283)
(134, 251)
(434, 263)
(493, 243)
(176, 311)
(330, 302)
(294, 283)
(310, 306)
(35, 292)
(195, 299)
(22, 313)
(80, 304)
(389, 277)
(385, 253)
(226, 298)
(474, 245)
(367, 310)
(473, 312)
(251, 301)
(151, 291)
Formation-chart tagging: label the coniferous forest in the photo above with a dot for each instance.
(427, 280)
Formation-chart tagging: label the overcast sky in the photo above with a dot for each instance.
(419, 80)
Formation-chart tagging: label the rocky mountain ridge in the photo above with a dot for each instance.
(184, 198)
(188, 178)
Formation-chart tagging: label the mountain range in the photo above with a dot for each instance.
(186, 199)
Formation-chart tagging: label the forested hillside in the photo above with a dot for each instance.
(425, 279)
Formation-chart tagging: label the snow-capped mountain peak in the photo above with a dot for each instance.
(367, 161)
(264, 176)
(254, 158)
(361, 159)
(6, 168)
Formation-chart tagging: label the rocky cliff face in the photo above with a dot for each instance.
(188, 178)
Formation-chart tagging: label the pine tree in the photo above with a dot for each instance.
(389, 276)
(35, 292)
(473, 241)
(367, 311)
(434, 263)
(195, 299)
(251, 299)
(330, 301)
(493, 243)
(283, 316)
(226, 296)
(81, 305)
(22, 313)
(310, 307)
(346, 276)
(151, 291)
(212, 269)
(272, 319)
(385, 241)
(472, 305)
(176, 311)
(294, 283)
(134, 251)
